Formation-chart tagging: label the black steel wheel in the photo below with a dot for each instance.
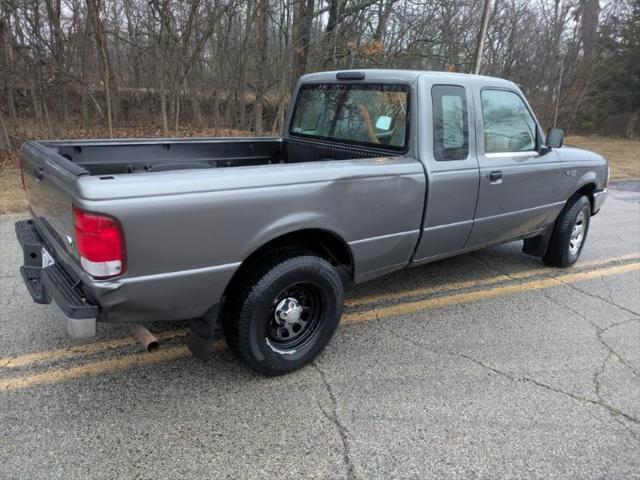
(297, 313)
(284, 312)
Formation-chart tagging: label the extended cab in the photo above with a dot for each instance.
(376, 171)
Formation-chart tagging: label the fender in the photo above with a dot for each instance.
(289, 224)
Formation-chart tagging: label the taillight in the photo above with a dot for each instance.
(100, 243)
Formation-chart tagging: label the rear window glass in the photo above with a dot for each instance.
(450, 123)
(365, 114)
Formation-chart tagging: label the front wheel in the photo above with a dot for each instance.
(569, 234)
(284, 313)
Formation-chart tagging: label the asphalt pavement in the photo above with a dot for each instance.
(489, 365)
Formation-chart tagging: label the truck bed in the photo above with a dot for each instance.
(111, 157)
(183, 226)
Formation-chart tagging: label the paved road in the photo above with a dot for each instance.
(488, 365)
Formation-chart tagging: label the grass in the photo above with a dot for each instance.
(623, 156)
(12, 196)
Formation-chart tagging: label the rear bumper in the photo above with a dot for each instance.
(598, 200)
(53, 282)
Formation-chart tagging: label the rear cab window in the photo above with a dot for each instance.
(450, 123)
(374, 115)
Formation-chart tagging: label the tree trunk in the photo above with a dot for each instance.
(216, 109)
(263, 40)
(6, 63)
(195, 103)
(5, 139)
(302, 22)
(630, 130)
(177, 113)
(11, 103)
(589, 29)
(35, 99)
(384, 10)
(93, 7)
(163, 105)
(331, 32)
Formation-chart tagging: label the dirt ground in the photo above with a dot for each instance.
(623, 156)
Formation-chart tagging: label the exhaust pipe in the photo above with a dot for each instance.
(145, 337)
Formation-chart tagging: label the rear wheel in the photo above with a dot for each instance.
(285, 312)
(569, 233)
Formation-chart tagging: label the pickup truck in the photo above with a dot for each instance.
(376, 171)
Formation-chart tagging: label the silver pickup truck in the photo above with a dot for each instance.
(377, 170)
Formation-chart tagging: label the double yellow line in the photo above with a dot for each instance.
(180, 351)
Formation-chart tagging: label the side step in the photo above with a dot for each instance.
(31, 277)
(65, 293)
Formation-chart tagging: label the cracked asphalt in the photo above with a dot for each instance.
(505, 374)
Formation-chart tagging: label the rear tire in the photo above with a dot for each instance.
(284, 311)
(569, 233)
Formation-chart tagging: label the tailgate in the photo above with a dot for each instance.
(50, 182)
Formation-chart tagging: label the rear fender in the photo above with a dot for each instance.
(290, 224)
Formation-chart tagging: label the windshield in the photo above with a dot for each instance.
(368, 114)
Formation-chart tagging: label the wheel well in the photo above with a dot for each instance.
(321, 242)
(587, 190)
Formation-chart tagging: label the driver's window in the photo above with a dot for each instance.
(508, 124)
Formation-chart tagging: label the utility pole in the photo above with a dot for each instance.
(555, 115)
(481, 35)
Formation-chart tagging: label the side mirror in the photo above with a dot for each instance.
(555, 138)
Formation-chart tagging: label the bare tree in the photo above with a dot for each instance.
(176, 64)
(105, 62)
(261, 67)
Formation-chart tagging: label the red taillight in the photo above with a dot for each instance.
(100, 243)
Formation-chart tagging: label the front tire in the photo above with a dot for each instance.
(569, 233)
(284, 312)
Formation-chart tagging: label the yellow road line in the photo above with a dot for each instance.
(95, 347)
(101, 366)
(444, 301)
(172, 353)
(353, 302)
(86, 349)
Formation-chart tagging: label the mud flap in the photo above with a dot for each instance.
(537, 246)
(200, 342)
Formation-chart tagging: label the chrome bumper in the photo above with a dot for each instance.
(598, 200)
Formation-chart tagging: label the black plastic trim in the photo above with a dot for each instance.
(52, 282)
(351, 75)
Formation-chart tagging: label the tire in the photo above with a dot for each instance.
(569, 233)
(284, 311)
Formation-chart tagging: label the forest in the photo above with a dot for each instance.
(168, 65)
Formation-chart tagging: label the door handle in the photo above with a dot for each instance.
(39, 173)
(495, 176)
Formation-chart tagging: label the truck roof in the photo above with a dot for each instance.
(405, 76)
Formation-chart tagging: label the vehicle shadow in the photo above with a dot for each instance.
(476, 266)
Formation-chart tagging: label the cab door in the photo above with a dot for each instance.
(519, 187)
(448, 150)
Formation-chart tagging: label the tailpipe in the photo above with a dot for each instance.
(145, 337)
